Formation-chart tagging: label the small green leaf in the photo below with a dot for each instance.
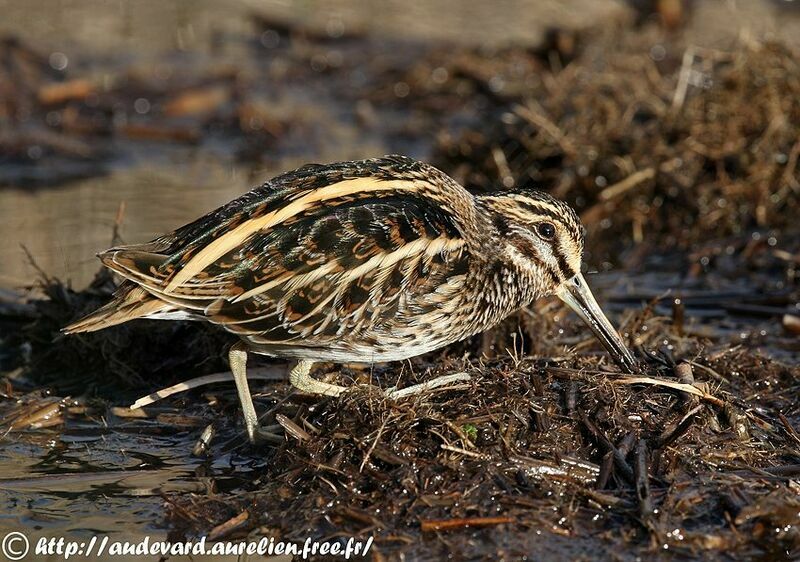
(470, 431)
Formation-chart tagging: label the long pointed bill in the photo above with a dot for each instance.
(578, 296)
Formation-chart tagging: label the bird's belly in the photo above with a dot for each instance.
(352, 354)
(394, 343)
(418, 323)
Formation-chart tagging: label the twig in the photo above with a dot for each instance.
(116, 239)
(708, 370)
(791, 164)
(785, 470)
(606, 467)
(670, 435)
(374, 444)
(544, 123)
(633, 180)
(229, 526)
(464, 452)
(360, 516)
(572, 397)
(201, 445)
(564, 469)
(687, 64)
(502, 163)
(789, 428)
(31, 260)
(643, 481)
(683, 79)
(292, 428)
(37, 415)
(432, 525)
(626, 443)
(601, 498)
(619, 457)
(683, 371)
(691, 389)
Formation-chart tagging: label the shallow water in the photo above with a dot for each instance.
(81, 482)
(103, 475)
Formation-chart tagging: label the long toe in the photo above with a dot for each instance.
(265, 436)
(426, 386)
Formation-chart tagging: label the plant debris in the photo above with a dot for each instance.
(663, 145)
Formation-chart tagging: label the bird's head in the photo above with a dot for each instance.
(543, 237)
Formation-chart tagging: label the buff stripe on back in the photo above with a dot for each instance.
(238, 235)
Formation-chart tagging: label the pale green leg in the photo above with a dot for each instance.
(423, 387)
(237, 357)
(301, 379)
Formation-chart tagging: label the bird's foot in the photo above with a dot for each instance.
(398, 394)
(265, 435)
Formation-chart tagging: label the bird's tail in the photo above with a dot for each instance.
(130, 302)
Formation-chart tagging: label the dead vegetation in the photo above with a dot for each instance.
(657, 143)
(58, 124)
(699, 461)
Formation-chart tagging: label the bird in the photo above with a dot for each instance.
(365, 261)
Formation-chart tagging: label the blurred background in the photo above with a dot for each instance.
(173, 108)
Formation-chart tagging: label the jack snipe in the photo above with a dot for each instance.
(368, 261)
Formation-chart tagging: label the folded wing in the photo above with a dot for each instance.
(323, 252)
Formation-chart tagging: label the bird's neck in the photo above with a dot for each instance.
(505, 287)
(503, 282)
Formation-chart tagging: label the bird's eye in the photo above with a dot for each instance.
(546, 230)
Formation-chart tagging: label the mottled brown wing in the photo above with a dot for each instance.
(347, 269)
(178, 263)
(314, 252)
